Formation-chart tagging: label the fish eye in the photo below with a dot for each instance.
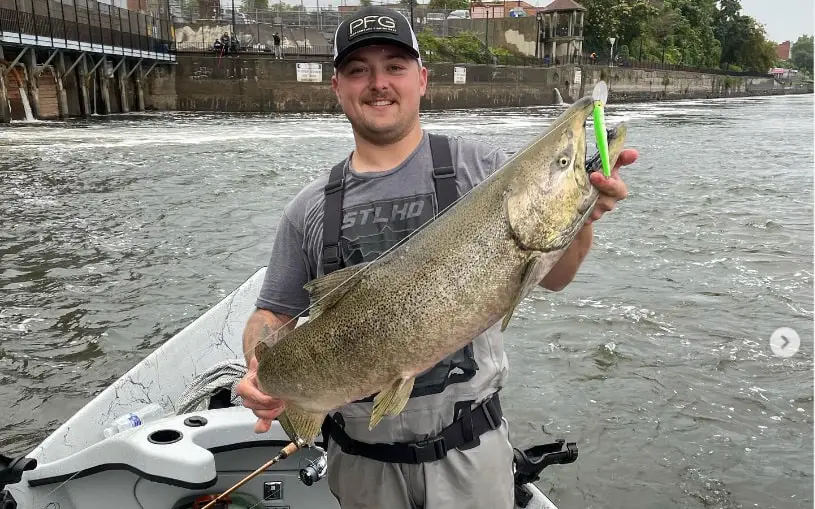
(564, 161)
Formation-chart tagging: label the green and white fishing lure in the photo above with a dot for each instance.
(600, 96)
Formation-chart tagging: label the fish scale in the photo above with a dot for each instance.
(373, 327)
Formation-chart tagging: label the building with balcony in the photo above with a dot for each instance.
(561, 31)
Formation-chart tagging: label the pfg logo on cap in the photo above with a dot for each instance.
(370, 24)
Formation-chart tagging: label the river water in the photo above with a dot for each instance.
(117, 232)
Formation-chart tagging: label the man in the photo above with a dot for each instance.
(225, 43)
(397, 170)
(278, 55)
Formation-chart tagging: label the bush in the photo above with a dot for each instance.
(464, 47)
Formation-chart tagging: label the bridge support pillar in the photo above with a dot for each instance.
(33, 82)
(62, 95)
(5, 111)
(121, 76)
(139, 92)
(84, 99)
(104, 86)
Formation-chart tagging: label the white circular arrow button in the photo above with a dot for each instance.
(785, 342)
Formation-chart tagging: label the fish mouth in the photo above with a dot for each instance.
(582, 170)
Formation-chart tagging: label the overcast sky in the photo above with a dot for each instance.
(783, 19)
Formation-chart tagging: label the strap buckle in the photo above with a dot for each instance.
(444, 172)
(334, 185)
(331, 256)
(430, 449)
(492, 413)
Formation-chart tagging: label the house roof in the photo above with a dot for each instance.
(563, 5)
(501, 3)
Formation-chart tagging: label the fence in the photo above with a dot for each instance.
(493, 58)
(258, 48)
(85, 21)
(306, 17)
(321, 23)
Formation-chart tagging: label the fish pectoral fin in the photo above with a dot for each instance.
(301, 424)
(326, 290)
(392, 400)
(535, 270)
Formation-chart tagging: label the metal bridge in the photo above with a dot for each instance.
(60, 58)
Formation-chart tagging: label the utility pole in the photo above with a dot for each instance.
(233, 18)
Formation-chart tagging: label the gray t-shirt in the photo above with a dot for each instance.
(380, 209)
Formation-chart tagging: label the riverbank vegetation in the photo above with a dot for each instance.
(712, 34)
(697, 33)
(465, 46)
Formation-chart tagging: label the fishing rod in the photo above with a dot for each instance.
(283, 454)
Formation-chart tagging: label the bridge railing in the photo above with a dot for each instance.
(58, 22)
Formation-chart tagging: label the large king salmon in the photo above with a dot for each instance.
(373, 327)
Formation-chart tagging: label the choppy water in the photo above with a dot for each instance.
(115, 233)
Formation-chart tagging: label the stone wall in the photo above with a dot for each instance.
(160, 92)
(515, 34)
(258, 83)
(635, 85)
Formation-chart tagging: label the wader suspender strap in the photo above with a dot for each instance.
(444, 178)
(444, 175)
(332, 216)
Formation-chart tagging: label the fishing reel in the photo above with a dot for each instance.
(316, 468)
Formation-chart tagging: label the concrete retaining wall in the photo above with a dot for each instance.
(257, 83)
(636, 85)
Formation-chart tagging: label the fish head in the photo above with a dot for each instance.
(550, 195)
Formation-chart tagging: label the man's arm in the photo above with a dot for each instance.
(262, 324)
(565, 269)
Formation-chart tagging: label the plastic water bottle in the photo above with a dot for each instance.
(149, 413)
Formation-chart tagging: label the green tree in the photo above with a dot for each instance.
(801, 53)
(694, 41)
(625, 20)
(698, 33)
(743, 40)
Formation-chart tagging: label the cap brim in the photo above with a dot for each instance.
(370, 41)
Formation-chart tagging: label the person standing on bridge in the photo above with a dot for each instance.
(278, 54)
(411, 175)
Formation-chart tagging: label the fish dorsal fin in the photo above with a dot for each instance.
(325, 291)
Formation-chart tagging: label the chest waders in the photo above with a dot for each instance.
(459, 367)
